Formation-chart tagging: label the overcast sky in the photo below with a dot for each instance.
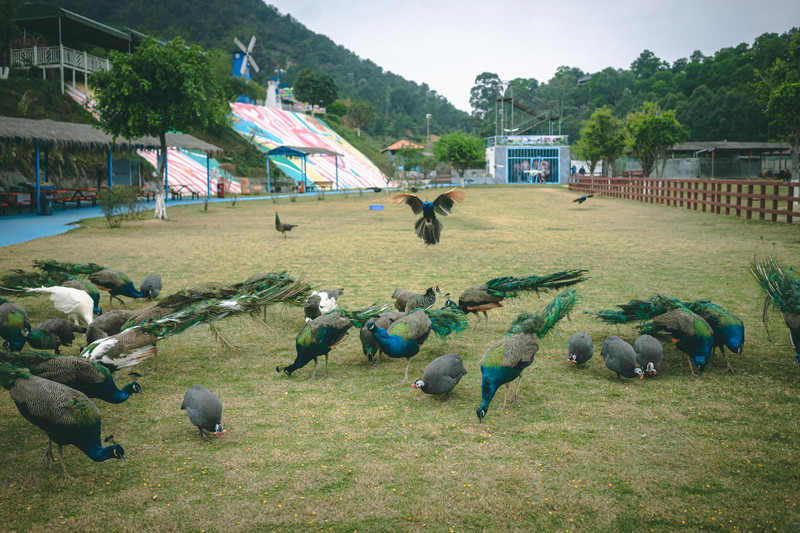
(447, 43)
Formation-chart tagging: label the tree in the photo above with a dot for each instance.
(462, 151)
(604, 134)
(484, 94)
(315, 88)
(156, 89)
(362, 114)
(651, 134)
(778, 89)
(8, 12)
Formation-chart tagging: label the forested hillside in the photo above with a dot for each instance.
(284, 43)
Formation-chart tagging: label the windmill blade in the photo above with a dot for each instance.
(252, 62)
(251, 45)
(240, 45)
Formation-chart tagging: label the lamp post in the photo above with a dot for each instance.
(428, 133)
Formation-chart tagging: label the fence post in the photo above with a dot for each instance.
(738, 199)
(775, 203)
(762, 203)
(749, 201)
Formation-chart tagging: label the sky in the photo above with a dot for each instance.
(448, 43)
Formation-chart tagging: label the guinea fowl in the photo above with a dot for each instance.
(580, 348)
(54, 333)
(321, 302)
(505, 360)
(620, 358)
(486, 296)
(369, 345)
(441, 375)
(402, 298)
(283, 227)
(117, 284)
(322, 334)
(92, 379)
(151, 286)
(782, 290)
(204, 409)
(428, 227)
(66, 415)
(75, 303)
(14, 325)
(109, 324)
(649, 354)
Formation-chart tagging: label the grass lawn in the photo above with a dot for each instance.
(580, 451)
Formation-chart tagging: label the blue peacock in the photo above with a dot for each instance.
(15, 326)
(782, 290)
(505, 360)
(428, 227)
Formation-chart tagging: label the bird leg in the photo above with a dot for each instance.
(690, 364)
(222, 339)
(63, 465)
(477, 322)
(730, 368)
(519, 382)
(505, 396)
(405, 379)
(485, 321)
(326, 367)
(205, 437)
(314, 373)
(121, 301)
(48, 454)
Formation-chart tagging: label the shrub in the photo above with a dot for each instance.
(119, 203)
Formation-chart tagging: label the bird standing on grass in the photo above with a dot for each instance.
(283, 227)
(782, 290)
(428, 227)
(65, 414)
(151, 286)
(117, 283)
(504, 360)
(649, 354)
(486, 296)
(404, 337)
(204, 409)
(321, 302)
(108, 324)
(441, 375)
(14, 325)
(54, 333)
(369, 345)
(75, 303)
(580, 348)
(620, 357)
(408, 301)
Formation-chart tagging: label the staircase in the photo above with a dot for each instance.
(537, 110)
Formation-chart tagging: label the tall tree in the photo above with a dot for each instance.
(462, 151)
(362, 114)
(604, 134)
(651, 134)
(484, 94)
(315, 87)
(8, 11)
(155, 89)
(778, 89)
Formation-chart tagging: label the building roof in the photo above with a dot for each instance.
(401, 145)
(67, 135)
(725, 146)
(299, 151)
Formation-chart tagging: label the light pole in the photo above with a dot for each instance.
(428, 133)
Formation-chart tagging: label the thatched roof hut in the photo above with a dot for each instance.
(66, 135)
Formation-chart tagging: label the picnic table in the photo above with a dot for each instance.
(14, 199)
(74, 194)
(177, 192)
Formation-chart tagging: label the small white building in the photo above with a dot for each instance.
(528, 159)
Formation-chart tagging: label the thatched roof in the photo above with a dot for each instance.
(66, 135)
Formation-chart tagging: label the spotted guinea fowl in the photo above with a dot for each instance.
(649, 354)
(321, 302)
(283, 227)
(782, 291)
(320, 335)
(66, 415)
(486, 296)
(136, 343)
(441, 375)
(405, 300)
(204, 409)
(54, 333)
(92, 379)
(505, 360)
(116, 283)
(14, 325)
(620, 357)
(580, 348)
(108, 324)
(151, 286)
(428, 227)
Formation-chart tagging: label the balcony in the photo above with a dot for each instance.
(58, 57)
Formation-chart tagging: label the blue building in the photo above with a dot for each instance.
(543, 159)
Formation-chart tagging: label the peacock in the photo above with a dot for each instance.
(25, 279)
(54, 333)
(782, 290)
(116, 283)
(582, 199)
(408, 300)
(15, 326)
(136, 343)
(486, 296)
(505, 360)
(283, 227)
(369, 344)
(321, 302)
(92, 379)
(66, 415)
(108, 324)
(660, 314)
(76, 269)
(320, 335)
(75, 303)
(404, 337)
(428, 227)
(728, 328)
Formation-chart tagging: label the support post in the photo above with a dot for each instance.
(38, 183)
(110, 168)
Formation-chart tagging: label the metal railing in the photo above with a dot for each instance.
(56, 56)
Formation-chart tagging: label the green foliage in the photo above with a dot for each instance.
(362, 114)
(603, 136)
(316, 88)
(483, 95)
(462, 151)
(119, 203)
(651, 135)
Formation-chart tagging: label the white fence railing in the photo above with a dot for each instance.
(51, 57)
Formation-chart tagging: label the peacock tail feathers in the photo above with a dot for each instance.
(509, 286)
(25, 358)
(362, 316)
(447, 320)
(781, 287)
(75, 269)
(638, 310)
(541, 322)
(10, 373)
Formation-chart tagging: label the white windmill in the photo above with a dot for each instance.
(243, 60)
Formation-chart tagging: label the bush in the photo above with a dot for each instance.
(119, 203)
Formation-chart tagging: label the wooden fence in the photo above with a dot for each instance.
(773, 199)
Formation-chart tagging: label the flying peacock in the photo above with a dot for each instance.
(505, 360)
(428, 227)
(485, 296)
(782, 290)
(66, 415)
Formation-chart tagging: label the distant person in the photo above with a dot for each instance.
(582, 171)
(574, 170)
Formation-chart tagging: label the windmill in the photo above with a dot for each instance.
(243, 60)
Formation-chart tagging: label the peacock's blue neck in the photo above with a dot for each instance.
(493, 378)
(395, 346)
